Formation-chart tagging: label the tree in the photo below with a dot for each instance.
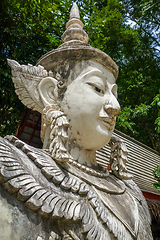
(33, 27)
(145, 15)
(156, 174)
(29, 28)
(135, 52)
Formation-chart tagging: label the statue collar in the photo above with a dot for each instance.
(108, 184)
(106, 195)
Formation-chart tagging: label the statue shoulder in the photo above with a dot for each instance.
(137, 193)
(35, 178)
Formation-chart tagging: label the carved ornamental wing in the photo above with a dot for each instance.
(20, 175)
(26, 79)
(34, 178)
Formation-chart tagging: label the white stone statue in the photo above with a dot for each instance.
(74, 88)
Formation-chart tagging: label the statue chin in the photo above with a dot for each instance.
(91, 106)
(93, 140)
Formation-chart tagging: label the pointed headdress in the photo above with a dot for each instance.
(75, 47)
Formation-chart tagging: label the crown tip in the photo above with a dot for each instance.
(74, 12)
(74, 28)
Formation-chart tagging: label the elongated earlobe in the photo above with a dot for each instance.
(48, 90)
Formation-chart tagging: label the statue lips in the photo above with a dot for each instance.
(108, 122)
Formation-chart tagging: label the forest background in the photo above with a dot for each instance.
(127, 30)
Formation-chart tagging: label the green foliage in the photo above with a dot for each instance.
(30, 28)
(135, 52)
(156, 102)
(156, 174)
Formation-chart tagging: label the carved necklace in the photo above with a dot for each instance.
(82, 167)
(88, 170)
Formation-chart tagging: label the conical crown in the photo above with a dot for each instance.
(74, 27)
(75, 47)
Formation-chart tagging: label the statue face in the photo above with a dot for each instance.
(91, 107)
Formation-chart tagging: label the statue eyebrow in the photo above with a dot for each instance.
(97, 73)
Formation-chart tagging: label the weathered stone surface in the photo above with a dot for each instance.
(19, 223)
(80, 205)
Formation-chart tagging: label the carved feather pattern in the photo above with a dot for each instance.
(136, 192)
(92, 226)
(108, 219)
(53, 172)
(55, 198)
(26, 79)
(17, 179)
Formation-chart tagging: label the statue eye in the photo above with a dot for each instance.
(98, 90)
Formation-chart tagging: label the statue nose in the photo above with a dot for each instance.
(112, 107)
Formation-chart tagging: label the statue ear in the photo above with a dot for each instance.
(48, 90)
